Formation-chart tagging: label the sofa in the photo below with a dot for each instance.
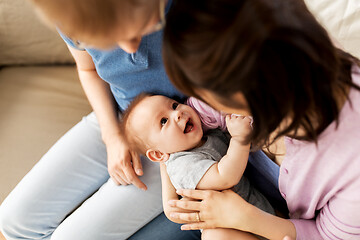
(40, 94)
(41, 97)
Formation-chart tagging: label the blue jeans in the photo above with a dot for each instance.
(162, 228)
(262, 173)
(68, 194)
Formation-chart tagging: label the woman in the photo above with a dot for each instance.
(73, 192)
(271, 59)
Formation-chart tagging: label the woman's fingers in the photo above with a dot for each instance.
(132, 177)
(186, 205)
(125, 170)
(124, 165)
(116, 176)
(137, 167)
(193, 217)
(136, 162)
(195, 194)
(194, 226)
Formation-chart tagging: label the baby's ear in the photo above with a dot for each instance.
(157, 156)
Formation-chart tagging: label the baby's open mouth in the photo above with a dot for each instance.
(189, 126)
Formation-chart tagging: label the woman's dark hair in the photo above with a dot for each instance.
(274, 52)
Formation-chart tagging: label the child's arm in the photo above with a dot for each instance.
(169, 193)
(229, 170)
(168, 190)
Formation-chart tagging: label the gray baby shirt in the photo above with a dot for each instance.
(186, 169)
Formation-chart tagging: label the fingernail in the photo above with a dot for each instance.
(184, 227)
(139, 171)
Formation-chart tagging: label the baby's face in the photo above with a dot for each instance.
(166, 125)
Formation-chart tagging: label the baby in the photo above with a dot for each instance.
(171, 133)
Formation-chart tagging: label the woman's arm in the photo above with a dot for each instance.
(229, 170)
(339, 218)
(226, 209)
(121, 161)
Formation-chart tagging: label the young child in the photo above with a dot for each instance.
(171, 133)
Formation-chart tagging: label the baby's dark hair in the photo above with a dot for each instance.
(135, 143)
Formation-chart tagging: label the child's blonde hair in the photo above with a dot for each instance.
(91, 21)
(135, 143)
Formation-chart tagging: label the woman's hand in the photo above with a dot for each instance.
(223, 209)
(226, 209)
(124, 165)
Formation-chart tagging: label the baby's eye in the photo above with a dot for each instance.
(163, 121)
(175, 105)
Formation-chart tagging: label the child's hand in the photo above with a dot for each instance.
(238, 126)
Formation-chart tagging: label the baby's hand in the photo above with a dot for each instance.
(238, 126)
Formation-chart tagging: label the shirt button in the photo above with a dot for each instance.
(285, 171)
(283, 195)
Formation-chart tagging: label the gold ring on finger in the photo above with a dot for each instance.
(198, 217)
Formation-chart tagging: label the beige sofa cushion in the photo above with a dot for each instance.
(37, 106)
(24, 39)
(342, 19)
